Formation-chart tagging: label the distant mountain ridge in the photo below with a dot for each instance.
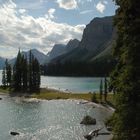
(98, 37)
(2, 62)
(41, 57)
(57, 50)
(60, 49)
(94, 50)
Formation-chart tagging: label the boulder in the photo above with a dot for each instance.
(87, 120)
(14, 133)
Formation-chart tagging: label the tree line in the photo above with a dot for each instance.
(24, 75)
(80, 68)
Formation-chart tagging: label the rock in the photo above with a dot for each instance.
(87, 120)
(0, 98)
(88, 137)
(14, 133)
(109, 128)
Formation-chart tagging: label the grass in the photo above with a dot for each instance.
(4, 90)
(50, 94)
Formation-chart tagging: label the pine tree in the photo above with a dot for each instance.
(26, 76)
(4, 78)
(25, 73)
(30, 72)
(126, 80)
(17, 73)
(105, 89)
(101, 90)
(8, 73)
(37, 74)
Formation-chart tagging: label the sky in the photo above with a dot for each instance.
(39, 24)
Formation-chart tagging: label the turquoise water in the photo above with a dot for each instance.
(47, 120)
(72, 84)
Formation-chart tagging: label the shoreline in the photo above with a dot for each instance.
(53, 94)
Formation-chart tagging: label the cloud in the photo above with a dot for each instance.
(25, 31)
(22, 11)
(86, 11)
(51, 12)
(67, 4)
(101, 6)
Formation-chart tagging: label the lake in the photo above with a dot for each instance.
(72, 84)
(48, 120)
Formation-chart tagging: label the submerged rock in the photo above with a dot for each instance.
(0, 98)
(87, 120)
(14, 133)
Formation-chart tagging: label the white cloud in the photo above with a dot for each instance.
(22, 11)
(86, 11)
(24, 31)
(51, 12)
(100, 7)
(67, 4)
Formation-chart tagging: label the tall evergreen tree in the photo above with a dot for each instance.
(26, 76)
(17, 73)
(105, 89)
(30, 72)
(8, 73)
(126, 78)
(24, 73)
(36, 74)
(101, 89)
(4, 77)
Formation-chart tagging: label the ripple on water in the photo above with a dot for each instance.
(47, 120)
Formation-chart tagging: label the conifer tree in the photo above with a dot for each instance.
(26, 76)
(25, 73)
(4, 77)
(30, 72)
(101, 90)
(17, 73)
(105, 89)
(8, 73)
(126, 78)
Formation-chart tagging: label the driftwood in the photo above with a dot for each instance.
(93, 133)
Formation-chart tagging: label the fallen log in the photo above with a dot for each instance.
(93, 133)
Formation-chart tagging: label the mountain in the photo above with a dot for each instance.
(98, 37)
(93, 50)
(41, 57)
(72, 44)
(60, 49)
(2, 62)
(57, 50)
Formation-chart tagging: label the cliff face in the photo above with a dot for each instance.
(72, 44)
(56, 51)
(97, 41)
(97, 33)
(59, 50)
